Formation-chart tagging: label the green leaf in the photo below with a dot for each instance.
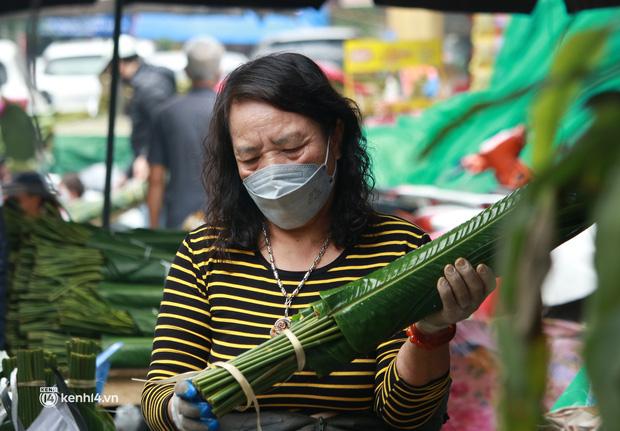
(386, 301)
(574, 60)
(602, 353)
(523, 348)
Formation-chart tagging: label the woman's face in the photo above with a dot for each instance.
(263, 135)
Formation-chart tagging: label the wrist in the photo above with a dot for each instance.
(430, 340)
(429, 328)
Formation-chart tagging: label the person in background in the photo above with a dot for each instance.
(30, 193)
(152, 86)
(179, 129)
(71, 187)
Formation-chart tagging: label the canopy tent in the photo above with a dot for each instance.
(507, 6)
(12, 6)
(247, 28)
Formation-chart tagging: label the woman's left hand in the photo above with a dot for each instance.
(462, 290)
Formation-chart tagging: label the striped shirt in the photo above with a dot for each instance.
(213, 310)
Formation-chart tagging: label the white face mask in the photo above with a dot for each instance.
(289, 195)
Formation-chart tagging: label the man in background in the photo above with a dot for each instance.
(152, 87)
(175, 154)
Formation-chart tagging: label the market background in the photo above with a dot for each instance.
(419, 70)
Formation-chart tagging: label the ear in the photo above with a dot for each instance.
(336, 139)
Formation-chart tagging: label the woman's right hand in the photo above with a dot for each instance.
(189, 411)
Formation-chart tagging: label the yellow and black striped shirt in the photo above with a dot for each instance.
(213, 310)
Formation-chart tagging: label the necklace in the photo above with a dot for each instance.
(284, 323)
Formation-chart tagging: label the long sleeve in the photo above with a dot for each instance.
(182, 340)
(401, 405)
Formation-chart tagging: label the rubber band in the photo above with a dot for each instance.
(245, 386)
(299, 349)
(172, 379)
(32, 384)
(81, 384)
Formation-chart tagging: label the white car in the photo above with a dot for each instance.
(68, 74)
(15, 89)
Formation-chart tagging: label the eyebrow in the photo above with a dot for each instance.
(289, 137)
(246, 151)
(250, 150)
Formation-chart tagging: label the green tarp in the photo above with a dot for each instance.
(72, 153)
(529, 44)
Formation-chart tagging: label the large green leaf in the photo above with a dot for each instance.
(574, 61)
(130, 295)
(522, 345)
(602, 352)
(377, 306)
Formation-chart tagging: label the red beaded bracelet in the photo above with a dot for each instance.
(433, 340)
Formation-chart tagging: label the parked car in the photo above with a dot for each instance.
(68, 72)
(320, 44)
(15, 88)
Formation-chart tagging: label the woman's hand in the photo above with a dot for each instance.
(462, 290)
(189, 411)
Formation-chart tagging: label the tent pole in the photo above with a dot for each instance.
(118, 12)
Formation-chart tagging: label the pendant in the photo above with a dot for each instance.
(281, 324)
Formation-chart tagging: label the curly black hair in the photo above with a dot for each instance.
(293, 83)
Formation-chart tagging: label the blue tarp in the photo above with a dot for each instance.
(98, 25)
(244, 29)
(247, 28)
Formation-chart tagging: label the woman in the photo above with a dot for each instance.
(288, 179)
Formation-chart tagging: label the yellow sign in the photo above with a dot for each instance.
(388, 78)
(371, 56)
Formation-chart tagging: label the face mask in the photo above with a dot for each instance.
(289, 195)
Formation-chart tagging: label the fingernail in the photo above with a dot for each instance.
(460, 262)
(482, 269)
(443, 282)
(450, 269)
